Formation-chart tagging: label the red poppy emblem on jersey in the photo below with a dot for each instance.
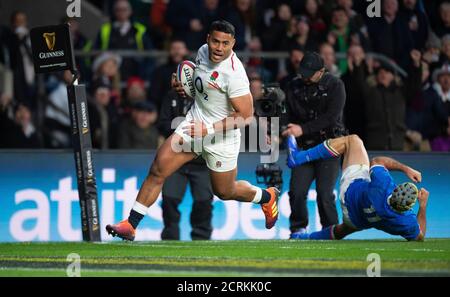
(214, 75)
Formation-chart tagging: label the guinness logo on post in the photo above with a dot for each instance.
(50, 40)
(52, 49)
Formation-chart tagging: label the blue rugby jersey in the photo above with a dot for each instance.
(367, 206)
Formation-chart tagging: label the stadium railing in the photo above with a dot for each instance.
(281, 57)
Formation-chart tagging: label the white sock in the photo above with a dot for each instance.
(140, 208)
(258, 195)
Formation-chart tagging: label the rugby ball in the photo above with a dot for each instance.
(185, 75)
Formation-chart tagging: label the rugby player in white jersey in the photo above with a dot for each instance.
(223, 104)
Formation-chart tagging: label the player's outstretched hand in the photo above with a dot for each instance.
(423, 197)
(176, 86)
(414, 175)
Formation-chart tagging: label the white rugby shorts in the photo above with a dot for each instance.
(350, 174)
(220, 151)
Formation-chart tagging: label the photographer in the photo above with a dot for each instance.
(315, 102)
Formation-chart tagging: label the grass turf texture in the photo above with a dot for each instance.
(228, 258)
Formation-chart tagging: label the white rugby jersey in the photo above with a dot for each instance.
(215, 84)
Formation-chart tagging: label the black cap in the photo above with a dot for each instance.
(310, 64)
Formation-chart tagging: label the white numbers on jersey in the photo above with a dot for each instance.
(199, 86)
(370, 211)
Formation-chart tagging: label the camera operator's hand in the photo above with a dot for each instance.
(293, 129)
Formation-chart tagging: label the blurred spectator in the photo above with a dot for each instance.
(275, 38)
(190, 20)
(255, 63)
(385, 103)
(288, 25)
(22, 61)
(441, 92)
(124, 34)
(295, 56)
(106, 71)
(417, 22)
(139, 131)
(141, 10)
(417, 109)
(431, 8)
(135, 92)
(242, 16)
(158, 26)
(57, 130)
(18, 132)
(354, 110)
(438, 57)
(210, 12)
(442, 26)
(160, 83)
(256, 88)
(317, 24)
(328, 55)
(356, 20)
(445, 51)
(303, 37)
(391, 36)
(103, 117)
(434, 53)
(341, 35)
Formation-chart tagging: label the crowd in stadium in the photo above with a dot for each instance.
(386, 108)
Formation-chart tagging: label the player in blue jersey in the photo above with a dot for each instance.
(369, 197)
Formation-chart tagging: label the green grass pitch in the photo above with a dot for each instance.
(228, 258)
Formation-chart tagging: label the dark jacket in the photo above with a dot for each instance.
(179, 15)
(419, 36)
(427, 114)
(385, 123)
(13, 135)
(392, 40)
(160, 82)
(131, 136)
(317, 108)
(354, 118)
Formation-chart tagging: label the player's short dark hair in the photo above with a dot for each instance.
(222, 26)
